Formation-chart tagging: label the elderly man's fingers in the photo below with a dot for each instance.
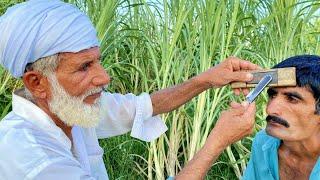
(239, 64)
(241, 76)
(236, 91)
(237, 111)
(245, 91)
(235, 63)
(250, 111)
(244, 65)
(234, 104)
(247, 65)
(245, 104)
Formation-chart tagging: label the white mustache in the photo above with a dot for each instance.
(92, 91)
(71, 109)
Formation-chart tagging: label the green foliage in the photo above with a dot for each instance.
(4, 4)
(150, 45)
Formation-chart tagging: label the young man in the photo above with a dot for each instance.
(289, 147)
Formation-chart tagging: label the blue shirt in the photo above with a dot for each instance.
(263, 164)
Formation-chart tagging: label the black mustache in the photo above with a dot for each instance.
(278, 120)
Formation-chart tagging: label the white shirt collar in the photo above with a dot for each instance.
(32, 113)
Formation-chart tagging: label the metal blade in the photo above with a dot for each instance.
(259, 88)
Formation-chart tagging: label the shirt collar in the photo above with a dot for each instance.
(271, 142)
(32, 113)
(270, 154)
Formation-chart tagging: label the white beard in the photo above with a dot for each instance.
(71, 109)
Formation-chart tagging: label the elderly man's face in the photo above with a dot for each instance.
(76, 87)
(81, 72)
(295, 106)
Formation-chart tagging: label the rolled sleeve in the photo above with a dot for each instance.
(146, 127)
(123, 113)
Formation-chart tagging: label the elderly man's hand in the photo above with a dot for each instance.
(235, 123)
(232, 125)
(228, 71)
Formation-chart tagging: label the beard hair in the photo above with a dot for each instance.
(71, 109)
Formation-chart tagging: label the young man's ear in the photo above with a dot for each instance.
(37, 84)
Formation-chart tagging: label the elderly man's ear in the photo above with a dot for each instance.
(37, 84)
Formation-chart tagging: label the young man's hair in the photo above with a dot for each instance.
(307, 73)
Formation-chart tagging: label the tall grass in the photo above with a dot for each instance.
(150, 45)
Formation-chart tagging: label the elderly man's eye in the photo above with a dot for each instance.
(85, 67)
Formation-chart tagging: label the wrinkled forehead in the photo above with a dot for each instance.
(91, 54)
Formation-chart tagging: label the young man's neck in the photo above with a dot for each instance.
(304, 149)
(298, 158)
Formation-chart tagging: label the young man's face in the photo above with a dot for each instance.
(291, 113)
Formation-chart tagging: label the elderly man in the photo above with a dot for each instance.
(56, 120)
(289, 147)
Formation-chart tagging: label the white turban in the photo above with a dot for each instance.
(41, 28)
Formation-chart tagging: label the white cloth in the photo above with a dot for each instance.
(33, 147)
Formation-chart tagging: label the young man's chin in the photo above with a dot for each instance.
(272, 131)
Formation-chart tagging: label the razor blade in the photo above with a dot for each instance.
(259, 88)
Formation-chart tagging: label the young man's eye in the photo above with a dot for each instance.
(292, 99)
(272, 95)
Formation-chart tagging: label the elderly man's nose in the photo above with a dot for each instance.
(101, 77)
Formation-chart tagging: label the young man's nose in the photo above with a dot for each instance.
(274, 107)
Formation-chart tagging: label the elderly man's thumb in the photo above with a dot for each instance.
(251, 110)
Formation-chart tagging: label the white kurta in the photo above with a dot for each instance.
(33, 147)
